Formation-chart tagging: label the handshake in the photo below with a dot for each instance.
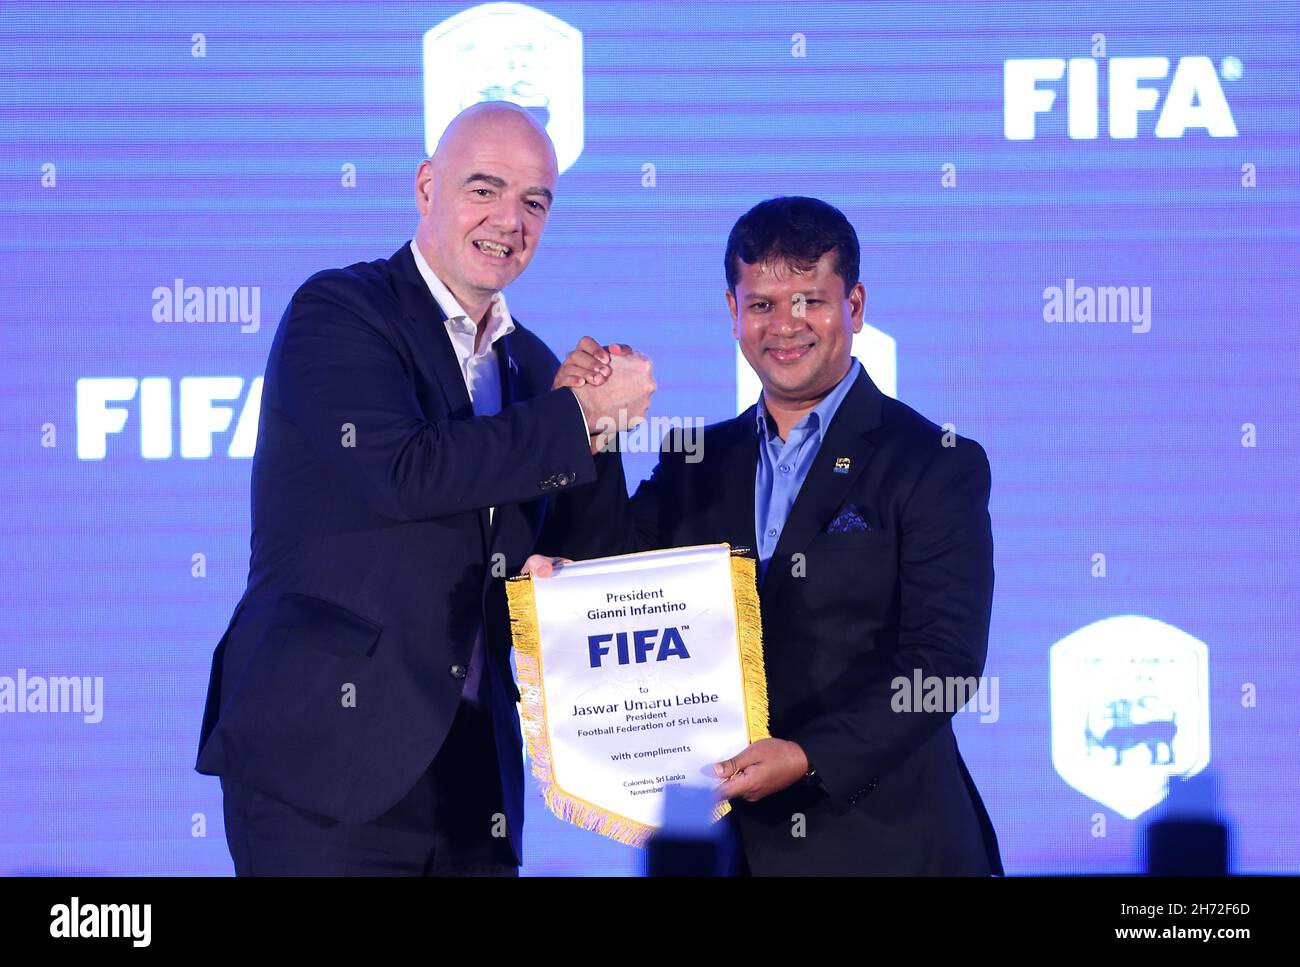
(612, 385)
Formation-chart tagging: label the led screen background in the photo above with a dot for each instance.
(130, 162)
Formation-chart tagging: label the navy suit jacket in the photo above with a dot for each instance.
(844, 615)
(373, 561)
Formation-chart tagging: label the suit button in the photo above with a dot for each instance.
(458, 672)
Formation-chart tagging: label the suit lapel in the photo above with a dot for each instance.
(513, 390)
(427, 332)
(512, 385)
(830, 478)
(739, 462)
(431, 344)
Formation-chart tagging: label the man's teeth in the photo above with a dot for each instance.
(493, 248)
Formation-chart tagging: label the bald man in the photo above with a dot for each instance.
(413, 437)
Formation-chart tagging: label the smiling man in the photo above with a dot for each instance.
(413, 437)
(875, 559)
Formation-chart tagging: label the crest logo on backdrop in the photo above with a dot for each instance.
(1130, 708)
(506, 52)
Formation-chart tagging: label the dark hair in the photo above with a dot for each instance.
(797, 230)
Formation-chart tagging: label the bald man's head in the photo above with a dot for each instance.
(483, 197)
(504, 115)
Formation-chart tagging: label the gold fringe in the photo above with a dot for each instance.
(749, 630)
(532, 698)
(749, 634)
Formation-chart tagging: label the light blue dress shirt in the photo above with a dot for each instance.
(783, 465)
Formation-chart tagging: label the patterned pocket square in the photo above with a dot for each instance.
(848, 521)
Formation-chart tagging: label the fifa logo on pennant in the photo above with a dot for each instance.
(643, 643)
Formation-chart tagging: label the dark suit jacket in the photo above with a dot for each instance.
(373, 560)
(843, 615)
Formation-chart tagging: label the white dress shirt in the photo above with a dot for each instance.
(478, 366)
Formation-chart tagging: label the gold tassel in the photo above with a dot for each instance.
(749, 630)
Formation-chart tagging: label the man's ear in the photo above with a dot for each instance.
(735, 319)
(857, 305)
(424, 186)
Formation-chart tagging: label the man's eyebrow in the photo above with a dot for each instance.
(492, 180)
(498, 182)
(808, 293)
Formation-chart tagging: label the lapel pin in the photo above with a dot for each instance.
(514, 367)
(842, 464)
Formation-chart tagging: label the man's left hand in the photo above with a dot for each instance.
(767, 766)
(541, 566)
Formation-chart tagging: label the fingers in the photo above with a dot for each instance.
(743, 783)
(618, 394)
(588, 364)
(574, 374)
(725, 770)
(541, 566)
(751, 756)
(593, 349)
(736, 773)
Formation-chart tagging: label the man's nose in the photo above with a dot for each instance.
(507, 216)
(785, 322)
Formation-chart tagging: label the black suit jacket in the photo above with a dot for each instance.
(373, 560)
(844, 614)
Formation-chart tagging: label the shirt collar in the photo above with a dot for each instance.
(500, 323)
(820, 416)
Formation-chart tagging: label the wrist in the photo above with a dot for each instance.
(582, 410)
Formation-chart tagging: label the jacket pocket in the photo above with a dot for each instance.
(324, 625)
(287, 730)
(868, 541)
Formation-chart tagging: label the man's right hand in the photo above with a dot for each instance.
(621, 400)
